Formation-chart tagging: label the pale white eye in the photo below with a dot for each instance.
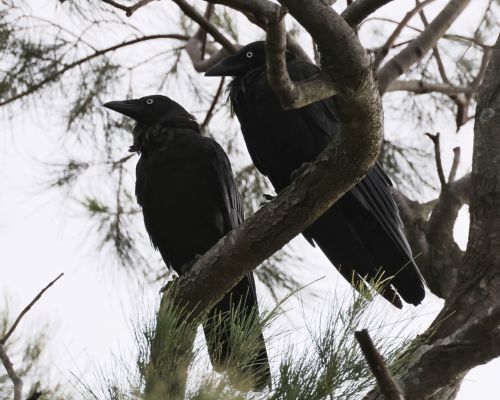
(249, 54)
(149, 101)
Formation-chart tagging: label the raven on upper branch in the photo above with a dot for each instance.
(361, 234)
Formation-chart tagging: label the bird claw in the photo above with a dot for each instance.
(300, 170)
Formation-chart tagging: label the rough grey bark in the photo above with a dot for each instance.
(421, 45)
(350, 156)
(466, 332)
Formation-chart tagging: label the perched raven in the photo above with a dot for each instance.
(189, 199)
(362, 234)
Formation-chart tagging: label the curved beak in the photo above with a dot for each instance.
(230, 66)
(126, 107)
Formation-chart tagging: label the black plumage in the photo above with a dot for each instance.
(189, 200)
(362, 234)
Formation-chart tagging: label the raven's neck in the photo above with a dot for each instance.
(154, 136)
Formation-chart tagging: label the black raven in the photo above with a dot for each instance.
(362, 234)
(189, 200)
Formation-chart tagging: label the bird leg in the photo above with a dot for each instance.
(300, 170)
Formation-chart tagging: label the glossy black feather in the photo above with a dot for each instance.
(362, 234)
(189, 200)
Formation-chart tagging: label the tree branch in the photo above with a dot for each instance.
(68, 67)
(14, 377)
(437, 155)
(291, 94)
(384, 50)
(388, 386)
(204, 23)
(356, 12)
(399, 64)
(423, 87)
(26, 309)
(351, 156)
(210, 111)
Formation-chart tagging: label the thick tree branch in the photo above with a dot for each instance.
(291, 94)
(460, 338)
(351, 156)
(388, 386)
(399, 64)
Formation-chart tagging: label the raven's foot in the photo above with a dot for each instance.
(268, 198)
(300, 170)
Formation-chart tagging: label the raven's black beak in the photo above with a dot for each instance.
(231, 66)
(126, 107)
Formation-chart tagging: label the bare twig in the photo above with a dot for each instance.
(388, 386)
(454, 165)
(291, 94)
(26, 309)
(210, 111)
(16, 380)
(383, 50)
(437, 153)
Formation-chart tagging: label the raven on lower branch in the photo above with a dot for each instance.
(361, 234)
(189, 200)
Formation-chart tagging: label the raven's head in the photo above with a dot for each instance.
(251, 56)
(148, 110)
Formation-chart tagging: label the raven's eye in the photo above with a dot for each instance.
(249, 54)
(149, 101)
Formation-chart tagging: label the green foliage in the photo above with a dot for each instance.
(329, 366)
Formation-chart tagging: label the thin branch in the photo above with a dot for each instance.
(356, 12)
(399, 64)
(437, 154)
(83, 60)
(388, 386)
(291, 94)
(384, 50)
(454, 165)
(16, 380)
(26, 309)
(210, 111)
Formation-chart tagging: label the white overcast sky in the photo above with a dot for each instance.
(91, 310)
